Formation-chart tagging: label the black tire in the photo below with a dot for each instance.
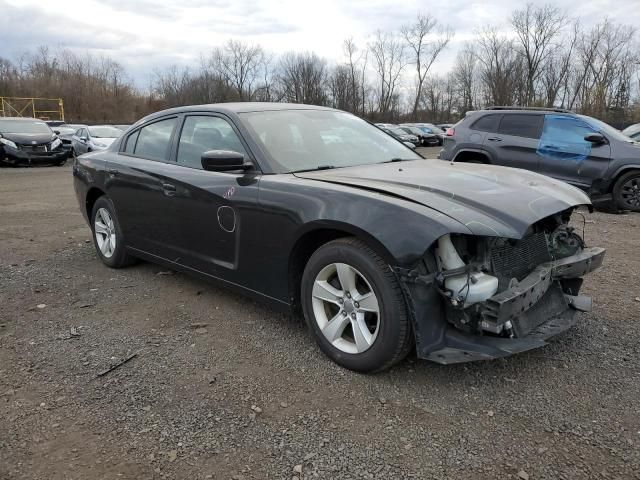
(61, 163)
(626, 191)
(394, 337)
(119, 258)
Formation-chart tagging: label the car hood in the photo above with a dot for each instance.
(29, 138)
(488, 200)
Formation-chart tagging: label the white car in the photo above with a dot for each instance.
(91, 139)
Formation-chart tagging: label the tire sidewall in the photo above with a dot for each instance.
(391, 311)
(617, 190)
(119, 257)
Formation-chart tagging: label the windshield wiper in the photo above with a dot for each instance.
(319, 167)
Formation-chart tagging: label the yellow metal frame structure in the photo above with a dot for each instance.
(32, 107)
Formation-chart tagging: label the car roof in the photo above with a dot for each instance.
(244, 107)
(523, 110)
(235, 108)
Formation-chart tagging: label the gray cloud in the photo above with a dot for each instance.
(145, 35)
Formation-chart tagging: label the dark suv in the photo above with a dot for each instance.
(577, 149)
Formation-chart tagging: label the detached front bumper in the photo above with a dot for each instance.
(537, 308)
(20, 157)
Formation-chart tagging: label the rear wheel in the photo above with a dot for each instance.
(107, 235)
(626, 191)
(354, 306)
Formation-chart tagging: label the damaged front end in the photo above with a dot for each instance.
(487, 297)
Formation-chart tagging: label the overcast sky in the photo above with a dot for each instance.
(144, 35)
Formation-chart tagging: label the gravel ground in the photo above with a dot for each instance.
(225, 388)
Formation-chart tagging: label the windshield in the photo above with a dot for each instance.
(24, 126)
(311, 139)
(65, 130)
(105, 132)
(607, 129)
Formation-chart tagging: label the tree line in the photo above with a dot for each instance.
(544, 58)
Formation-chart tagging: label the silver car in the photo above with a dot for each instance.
(94, 138)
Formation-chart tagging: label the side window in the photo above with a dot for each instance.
(521, 125)
(565, 129)
(131, 142)
(563, 138)
(203, 133)
(488, 123)
(80, 132)
(154, 139)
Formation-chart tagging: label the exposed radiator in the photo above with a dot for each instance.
(517, 259)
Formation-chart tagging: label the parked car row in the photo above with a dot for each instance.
(576, 149)
(419, 134)
(29, 141)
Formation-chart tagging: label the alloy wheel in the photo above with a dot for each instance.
(105, 232)
(346, 308)
(630, 192)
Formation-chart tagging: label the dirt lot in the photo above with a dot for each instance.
(249, 396)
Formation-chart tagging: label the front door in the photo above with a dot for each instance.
(565, 154)
(212, 208)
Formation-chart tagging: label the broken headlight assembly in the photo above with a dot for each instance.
(509, 287)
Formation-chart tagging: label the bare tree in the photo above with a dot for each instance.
(465, 78)
(500, 67)
(356, 90)
(557, 69)
(389, 62)
(537, 30)
(425, 40)
(303, 78)
(239, 64)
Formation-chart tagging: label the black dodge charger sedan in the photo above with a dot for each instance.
(29, 141)
(315, 210)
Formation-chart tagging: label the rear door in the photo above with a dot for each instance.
(138, 183)
(515, 142)
(565, 154)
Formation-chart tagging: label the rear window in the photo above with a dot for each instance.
(520, 125)
(488, 123)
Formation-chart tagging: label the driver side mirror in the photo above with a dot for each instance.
(223, 161)
(57, 132)
(596, 138)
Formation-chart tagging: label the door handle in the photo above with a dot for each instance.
(112, 171)
(494, 139)
(169, 189)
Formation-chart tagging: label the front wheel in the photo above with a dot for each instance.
(354, 306)
(107, 234)
(626, 192)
